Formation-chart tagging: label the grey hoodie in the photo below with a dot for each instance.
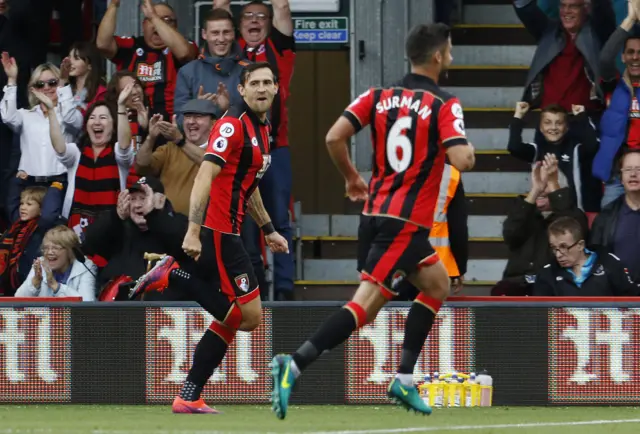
(208, 71)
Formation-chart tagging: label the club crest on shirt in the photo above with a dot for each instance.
(242, 282)
(139, 52)
(254, 141)
(397, 278)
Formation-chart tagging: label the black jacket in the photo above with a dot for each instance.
(603, 230)
(15, 38)
(123, 244)
(525, 233)
(607, 278)
(574, 153)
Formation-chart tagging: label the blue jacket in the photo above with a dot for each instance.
(208, 71)
(613, 129)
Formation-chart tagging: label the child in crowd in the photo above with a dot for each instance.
(573, 143)
(20, 244)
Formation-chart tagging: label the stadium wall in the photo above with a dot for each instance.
(554, 352)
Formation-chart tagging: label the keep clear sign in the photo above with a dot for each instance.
(321, 30)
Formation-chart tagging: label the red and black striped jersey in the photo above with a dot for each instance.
(239, 143)
(279, 51)
(412, 125)
(156, 69)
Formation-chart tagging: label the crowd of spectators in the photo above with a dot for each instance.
(585, 155)
(105, 169)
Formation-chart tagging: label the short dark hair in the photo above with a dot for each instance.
(629, 39)
(565, 224)
(217, 14)
(555, 109)
(246, 72)
(168, 6)
(627, 151)
(423, 40)
(258, 3)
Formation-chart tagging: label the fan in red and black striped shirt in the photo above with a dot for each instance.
(414, 126)
(267, 37)
(155, 57)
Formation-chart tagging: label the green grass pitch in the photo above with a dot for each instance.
(100, 419)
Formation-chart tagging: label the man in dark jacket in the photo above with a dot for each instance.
(143, 222)
(565, 67)
(577, 271)
(617, 228)
(525, 229)
(574, 151)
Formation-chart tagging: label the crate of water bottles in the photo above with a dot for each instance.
(457, 389)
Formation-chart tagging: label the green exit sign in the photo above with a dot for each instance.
(321, 30)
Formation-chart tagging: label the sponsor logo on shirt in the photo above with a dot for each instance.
(150, 73)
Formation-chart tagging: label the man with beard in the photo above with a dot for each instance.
(155, 57)
(176, 164)
(218, 69)
(415, 127)
(266, 35)
(620, 124)
(223, 281)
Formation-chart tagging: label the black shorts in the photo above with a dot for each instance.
(390, 249)
(225, 263)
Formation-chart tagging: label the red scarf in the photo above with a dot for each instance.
(12, 245)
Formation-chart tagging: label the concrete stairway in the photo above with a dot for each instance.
(491, 53)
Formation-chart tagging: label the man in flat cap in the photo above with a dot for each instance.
(176, 164)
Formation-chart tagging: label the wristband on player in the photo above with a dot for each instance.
(268, 229)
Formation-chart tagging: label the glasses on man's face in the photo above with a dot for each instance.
(630, 170)
(563, 248)
(260, 16)
(40, 84)
(169, 20)
(52, 249)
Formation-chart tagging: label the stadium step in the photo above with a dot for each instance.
(485, 204)
(493, 139)
(492, 117)
(489, 14)
(311, 290)
(485, 75)
(323, 225)
(487, 97)
(489, 182)
(499, 55)
(328, 247)
(490, 34)
(346, 269)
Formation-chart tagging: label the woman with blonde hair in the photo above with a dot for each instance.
(38, 163)
(57, 273)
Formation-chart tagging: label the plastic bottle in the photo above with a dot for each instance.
(439, 390)
(486, 383)
(468, 396)
(457, 400)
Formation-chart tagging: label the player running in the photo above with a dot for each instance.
(222, 280)
(414, 125)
